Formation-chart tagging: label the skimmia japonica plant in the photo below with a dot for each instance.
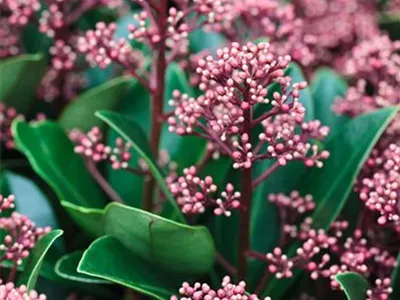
(198, 149)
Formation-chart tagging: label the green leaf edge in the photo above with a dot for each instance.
(341, 279)
(28, 278)
(81, 270)
(92, 92)
(154, 169)
(71, 277)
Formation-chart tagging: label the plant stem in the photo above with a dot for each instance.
(103, 183)
(157, 84)
(225, 264)
(246, 195)
(264, 175)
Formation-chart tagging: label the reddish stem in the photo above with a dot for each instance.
(246, 195)
(265, 175)
(225, 264)
(157, 86)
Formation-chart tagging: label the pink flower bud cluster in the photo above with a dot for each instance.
(21, 234)
(393, 7)
(7, 116)
(194, 194)
(9, 39)
(63, 56)
(19, 11)
(381, 290)
(293, 204)
(381, 190)
(9, 292)
(333, 27)
(92, 147)
(102, 49)
(227, 291)
(233, 84)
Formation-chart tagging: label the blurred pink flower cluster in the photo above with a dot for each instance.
(8, 291)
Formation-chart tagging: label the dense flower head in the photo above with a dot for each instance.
(63, 55)
(228, 291)
(8, 291)
(52, 19)
(380, 190)
(9, 39)
(381, 290)
(91, 146)
(19, 12)
(102, 49)
(235, 82)
(7, 116)
(335, 26)
(194, 194)
(21, 233)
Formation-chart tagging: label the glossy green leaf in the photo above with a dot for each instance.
(31, 271)
(136, 104)
(133, 134)
(396, 280)
(326, 88)
(80, 112)
(90, 219)
(148, 235)
(51, 155)
(30, 200)
(390, 22)
(200, 40)
(349, 149)
(177, 146)
(353, 284)
(19, 78)
(109, 259)
(66, 267)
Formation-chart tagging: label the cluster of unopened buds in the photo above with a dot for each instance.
(293, 204)
(91, 146)
(194, 194)
(102, 49)
(381, 290)
(21, 233)
(8, 291)
(380, 191)
(227, 291)
(7, 116)
(233, 84)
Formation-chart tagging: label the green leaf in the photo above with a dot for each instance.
(390, 22)
(132, 133)
(109, 259)
(51, 155)
(349, 150)
(31, 271)
(200, 40)
(326, 88)
(353, 284)
(80, 112)
(90, 219)
(148, 235)
(66, 267)
(177, 145)
(136, 104)
(396, 280)
(30, 200)
(19, 78)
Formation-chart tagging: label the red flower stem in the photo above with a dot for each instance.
(102, 182)
(246, 195)
(157, 84)
(225, 264)
(265, 175)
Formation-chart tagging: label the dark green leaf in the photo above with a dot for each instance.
(109, 259)
(132, 133)
(148, 235)
(349, 149)
(66, 267)
(353, 284)
(51, 155)
(136, 104)
(326, 88)
(80, 112)
(396, 280)
(390, 22)
(19, 78)
(31, 271)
